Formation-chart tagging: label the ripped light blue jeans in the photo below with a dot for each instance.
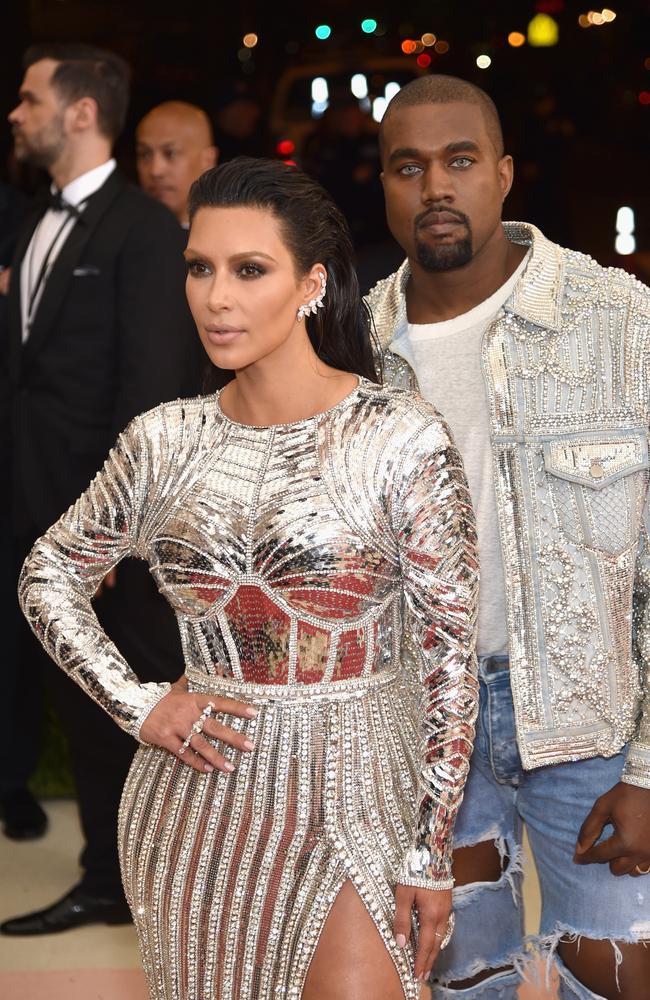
(576, 900)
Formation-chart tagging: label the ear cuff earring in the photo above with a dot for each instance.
(316, 303)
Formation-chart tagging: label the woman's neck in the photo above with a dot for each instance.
(277, 390)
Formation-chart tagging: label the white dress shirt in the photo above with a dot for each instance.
(50, 235)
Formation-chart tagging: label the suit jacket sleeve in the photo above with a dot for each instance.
(157, 342)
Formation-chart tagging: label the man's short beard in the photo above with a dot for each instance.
(46, 146)
(446, 257)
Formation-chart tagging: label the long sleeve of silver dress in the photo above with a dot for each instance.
(311, 567)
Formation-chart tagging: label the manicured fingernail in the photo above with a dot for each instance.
(248, 745)
(400, 941)
(208, 768)
(251, 713)
(228, 766)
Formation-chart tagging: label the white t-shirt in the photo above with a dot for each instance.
(446, 358)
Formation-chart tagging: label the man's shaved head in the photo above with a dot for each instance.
(440, 89)
(180, 114)
(174, 146)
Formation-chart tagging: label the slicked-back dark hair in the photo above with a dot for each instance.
(315, 232)
(85, 71)
(437, 88)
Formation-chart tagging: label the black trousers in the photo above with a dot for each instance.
(144, 629)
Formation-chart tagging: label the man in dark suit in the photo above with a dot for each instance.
(99, 331)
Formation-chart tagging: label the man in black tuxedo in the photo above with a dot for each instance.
(99, 331)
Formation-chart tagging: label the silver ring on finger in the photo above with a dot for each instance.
(197, 727)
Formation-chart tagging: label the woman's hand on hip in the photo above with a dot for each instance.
(433, 909)
(170, 725)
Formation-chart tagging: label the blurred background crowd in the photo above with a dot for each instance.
(308, 84)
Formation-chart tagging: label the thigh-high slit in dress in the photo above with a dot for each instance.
(324, 571)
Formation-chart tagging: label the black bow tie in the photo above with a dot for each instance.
(59, 204)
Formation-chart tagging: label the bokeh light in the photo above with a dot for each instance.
(441, 47)
(391, 89)
(286, 147)
(423, 60)
(250, 40)
(319, 90)
(543, 31)
(516, 39)
(597, 18)
(428, 39)
(625, 242)
(359, 86)
(322, 32)
(483, 61)
(379, 108)
(408, 46)
(368, 25)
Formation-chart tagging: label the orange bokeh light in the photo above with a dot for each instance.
(516, 39)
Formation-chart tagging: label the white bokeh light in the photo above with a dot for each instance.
(359, 86)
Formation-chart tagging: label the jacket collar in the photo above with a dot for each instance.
(536, 297)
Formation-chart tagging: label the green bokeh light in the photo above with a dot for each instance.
(323, 31)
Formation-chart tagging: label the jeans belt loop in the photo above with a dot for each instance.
(493, 664)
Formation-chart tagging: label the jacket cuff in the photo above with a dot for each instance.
(154, 694)
(637, 766)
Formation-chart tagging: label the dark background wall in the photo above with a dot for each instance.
(573, 113)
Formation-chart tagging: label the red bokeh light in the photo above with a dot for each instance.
(290, 163)
(424, 60)
(286, 147)
(644, 97)
(408, 46)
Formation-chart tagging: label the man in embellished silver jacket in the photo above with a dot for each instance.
(563, 739)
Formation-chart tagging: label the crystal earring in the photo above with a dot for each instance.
(317, 302)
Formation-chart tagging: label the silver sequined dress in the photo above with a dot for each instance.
(306, 563)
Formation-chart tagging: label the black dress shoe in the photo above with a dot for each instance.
(74, 910)
(23, 817)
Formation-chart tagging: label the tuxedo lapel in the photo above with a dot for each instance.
(14, 298)
(61, 275)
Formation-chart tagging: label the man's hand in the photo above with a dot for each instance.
(627, 808)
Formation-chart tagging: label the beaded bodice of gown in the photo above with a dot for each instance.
(300, 554)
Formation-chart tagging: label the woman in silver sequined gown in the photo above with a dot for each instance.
(313, 532)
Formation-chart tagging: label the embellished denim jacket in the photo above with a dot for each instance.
(567, 373)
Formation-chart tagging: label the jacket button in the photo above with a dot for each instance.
(596, 470)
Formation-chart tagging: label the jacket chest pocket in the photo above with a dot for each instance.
(598, 487)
